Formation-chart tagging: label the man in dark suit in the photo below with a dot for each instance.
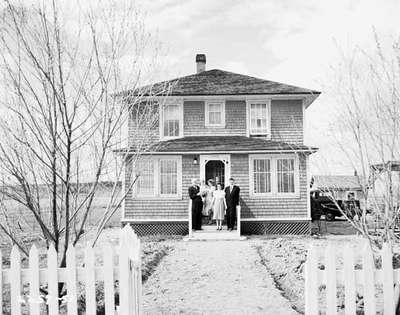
(232, 201)
(197, 205)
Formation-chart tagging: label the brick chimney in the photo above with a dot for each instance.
(200, 63)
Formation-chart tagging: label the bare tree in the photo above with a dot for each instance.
(63, 117)
(367, 87)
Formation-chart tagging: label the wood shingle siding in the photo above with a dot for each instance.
(259, 207)
(287, 121)
(194, 119)
(268, 207)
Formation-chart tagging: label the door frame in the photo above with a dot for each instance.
(224, 158)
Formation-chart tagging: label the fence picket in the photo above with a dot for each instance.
(90, 281)
(311, 290)
(330, 269)
(108, 265)
(34, 293)
(349, 281)
(369, 281)
(388, 283)
(124, 269)
(72, 306)
(1, 282)
(15, 281)
(52, 280)
(129, 276)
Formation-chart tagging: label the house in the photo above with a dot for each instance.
(341, 187)
(218, 124)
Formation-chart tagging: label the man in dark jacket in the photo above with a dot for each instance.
(197, 205)
(232, 201)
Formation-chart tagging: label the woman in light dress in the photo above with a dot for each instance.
(208, 198)
(219, 206)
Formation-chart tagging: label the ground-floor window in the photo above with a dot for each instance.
(273, 175)
(158, 176)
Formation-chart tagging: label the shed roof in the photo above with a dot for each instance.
(337, 182)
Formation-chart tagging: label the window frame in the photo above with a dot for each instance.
(274, 175)
(162, 115)
(267, 103)
(157, 179)
(207, 113)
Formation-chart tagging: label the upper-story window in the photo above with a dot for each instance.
(215, 114)
(259, 117)
(172, 120)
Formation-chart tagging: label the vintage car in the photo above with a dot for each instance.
(323, 203)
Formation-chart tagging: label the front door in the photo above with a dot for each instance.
(215, 166)
(215, 170)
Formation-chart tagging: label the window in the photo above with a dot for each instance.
(168, 177)
(159, 177)
(273, 175)
(258, 118)
(215, 114)
(262, 176)
(172, 121)
(145, 181)
(285, 174)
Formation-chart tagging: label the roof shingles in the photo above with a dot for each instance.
(225, 144)
(219, 82)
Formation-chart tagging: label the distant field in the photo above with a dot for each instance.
(22, 219)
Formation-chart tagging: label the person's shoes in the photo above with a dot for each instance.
(230, 230)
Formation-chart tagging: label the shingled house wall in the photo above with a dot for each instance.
(286, 121)
(149, 214)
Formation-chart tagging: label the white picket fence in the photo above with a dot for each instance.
(128, 272)
(345, 274)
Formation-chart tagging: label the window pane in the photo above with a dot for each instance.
(215, 114)
(145, 181)
(285, 174)
(168, 177)
(171, 120)
(258, 118)
(262, 176)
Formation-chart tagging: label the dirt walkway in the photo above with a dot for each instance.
(224, 277)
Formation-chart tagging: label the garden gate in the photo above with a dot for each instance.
(28, 284)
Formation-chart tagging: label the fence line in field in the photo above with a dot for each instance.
(351, 278)
(128, 272)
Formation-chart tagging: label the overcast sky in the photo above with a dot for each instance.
(294, 42)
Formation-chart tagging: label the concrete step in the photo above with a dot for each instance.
(215, 236)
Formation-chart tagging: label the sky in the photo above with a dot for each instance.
(295, 42)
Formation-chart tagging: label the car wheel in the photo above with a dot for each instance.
(330, 216)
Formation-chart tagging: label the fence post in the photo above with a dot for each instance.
(190, 218)
(15, 272)
(330, 270)
(369, 280)
(349, 281)
(34, 293)
(130, 279)
(311, 284)
(52, 279)
(387, 270)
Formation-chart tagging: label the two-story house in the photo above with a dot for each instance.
(218, 124)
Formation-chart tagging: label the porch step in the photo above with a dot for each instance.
(215, 236)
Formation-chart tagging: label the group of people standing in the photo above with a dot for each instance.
(214, 202)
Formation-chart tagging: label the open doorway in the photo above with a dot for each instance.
(215, 170)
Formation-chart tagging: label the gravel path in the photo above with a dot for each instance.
(221, 277)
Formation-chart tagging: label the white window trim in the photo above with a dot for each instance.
(248, 120)
(178, 102)
(206, 111)
(157, 188)
(274, 178)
